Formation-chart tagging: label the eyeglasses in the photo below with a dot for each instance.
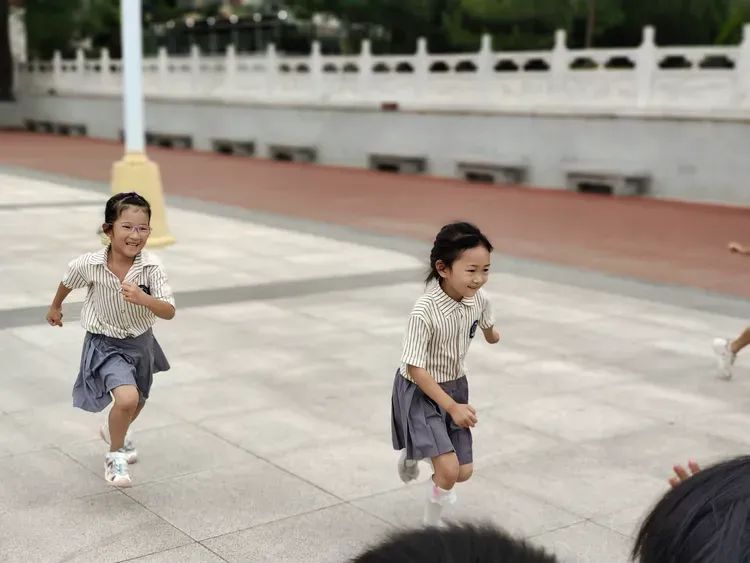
(140, 229)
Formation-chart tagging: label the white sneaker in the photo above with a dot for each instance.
(128, 449)
(408, 469)
(116, 470)
(724, 357)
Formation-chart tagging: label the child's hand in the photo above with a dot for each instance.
(737, 247)
(134, 294)
(494, 337)
(682, 474)
(54, 316)
(491, 335)
(463, 415)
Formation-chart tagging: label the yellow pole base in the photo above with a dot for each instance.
(136, 173)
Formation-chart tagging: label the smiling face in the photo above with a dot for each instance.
(129, 232)
(467, 274)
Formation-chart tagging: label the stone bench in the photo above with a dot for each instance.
(291, 153)
(609, 178)
(504, 171)
(169, 140)
(398, 163)
(229, 146)
(70, 129)
(43, 126)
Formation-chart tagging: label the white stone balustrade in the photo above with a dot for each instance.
(713, 80)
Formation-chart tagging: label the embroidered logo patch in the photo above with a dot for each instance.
(473, 329)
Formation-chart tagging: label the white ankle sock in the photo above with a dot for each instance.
(437, 498)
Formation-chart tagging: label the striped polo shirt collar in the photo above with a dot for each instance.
(447, 304)
(141, 259)
(99, 257)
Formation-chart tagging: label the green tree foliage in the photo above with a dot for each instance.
(51, 25)
(731, 27)
(100, 22)
(530, 24)
(448, 25)
(61, 24)
(405, 20)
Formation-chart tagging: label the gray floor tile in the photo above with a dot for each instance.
(234, 498)
(33, 480)
(308, 537)
(106, 527)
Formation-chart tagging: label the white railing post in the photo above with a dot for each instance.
(104, 72)
(80, 65)
(162, 70)
(646, 61)
(364, 64)
(559, 67)
(272, 68)
(422, 67)
(485, 66)
(195, 62)
(56, 70)
(316, 70)
(230, 69)
(104, 60)
(742, 67)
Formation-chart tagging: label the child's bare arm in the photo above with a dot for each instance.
(161, 309)
(54, 315)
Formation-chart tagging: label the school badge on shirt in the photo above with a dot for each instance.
(473, 329)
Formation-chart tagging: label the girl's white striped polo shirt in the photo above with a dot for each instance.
(105, 311)
(440, 330)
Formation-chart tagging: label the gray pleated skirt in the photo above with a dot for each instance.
(424, 429)
(108, 362)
